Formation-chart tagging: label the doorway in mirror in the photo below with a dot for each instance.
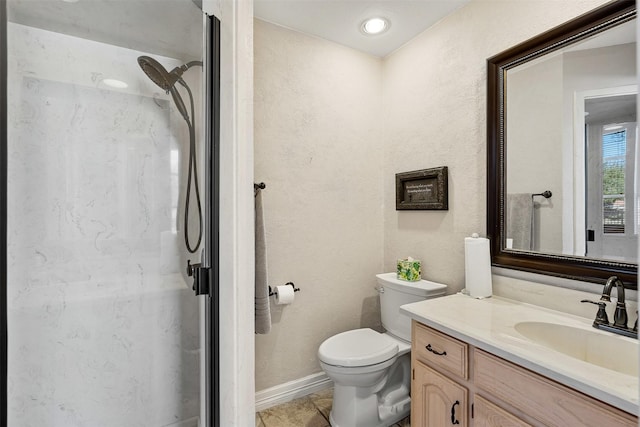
(611, 203)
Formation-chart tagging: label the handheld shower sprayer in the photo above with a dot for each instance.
(160, 76)
(167, 81)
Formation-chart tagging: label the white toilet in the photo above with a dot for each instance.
(371, 371)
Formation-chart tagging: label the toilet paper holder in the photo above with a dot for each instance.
(271, 293)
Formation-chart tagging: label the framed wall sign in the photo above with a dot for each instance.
(425, 189)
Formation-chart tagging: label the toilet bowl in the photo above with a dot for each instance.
(371, 371)
(360, 377)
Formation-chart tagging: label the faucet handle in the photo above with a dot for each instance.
(601, 317)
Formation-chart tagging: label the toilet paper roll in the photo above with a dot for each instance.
(477, 267)
(284, 294)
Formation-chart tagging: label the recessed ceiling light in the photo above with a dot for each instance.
(71, 1)
(118, 84)
(375, 26)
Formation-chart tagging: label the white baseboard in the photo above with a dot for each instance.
(286, 392)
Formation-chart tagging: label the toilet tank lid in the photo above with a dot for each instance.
(358, 347)
(421, 287)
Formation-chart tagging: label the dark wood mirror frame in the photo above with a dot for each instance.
(572, 267)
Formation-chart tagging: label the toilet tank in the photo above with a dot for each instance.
(394, 293)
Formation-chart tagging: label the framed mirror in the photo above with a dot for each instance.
(562, 190)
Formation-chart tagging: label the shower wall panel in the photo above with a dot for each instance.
(103, 328)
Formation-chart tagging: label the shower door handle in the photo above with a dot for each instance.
(200, 276)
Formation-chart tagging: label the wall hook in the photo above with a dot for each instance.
(258, 187)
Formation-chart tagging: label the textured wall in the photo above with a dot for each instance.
(318, 148)
(534, 135)
(319, 113)
(435, 115)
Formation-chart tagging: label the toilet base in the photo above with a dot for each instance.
(381, 405)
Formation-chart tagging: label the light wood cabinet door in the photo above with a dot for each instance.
(486, 414)
(436, 401)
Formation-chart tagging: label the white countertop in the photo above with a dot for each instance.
(489, 324)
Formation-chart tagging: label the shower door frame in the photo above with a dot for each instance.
(3, 212)
(212, 222)
(212, 217)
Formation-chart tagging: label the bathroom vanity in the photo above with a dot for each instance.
(498, 362)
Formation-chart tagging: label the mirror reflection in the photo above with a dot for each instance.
(570, 150)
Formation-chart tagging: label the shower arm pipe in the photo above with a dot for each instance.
(185, 67)
(178, 71)
(192, 64)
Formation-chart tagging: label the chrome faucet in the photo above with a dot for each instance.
(620, 317)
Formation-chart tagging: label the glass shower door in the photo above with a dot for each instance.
(104, 159)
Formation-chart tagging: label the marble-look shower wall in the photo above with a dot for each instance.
(103, 328)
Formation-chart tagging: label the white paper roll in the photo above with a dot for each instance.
(477, 267)
(284, 294)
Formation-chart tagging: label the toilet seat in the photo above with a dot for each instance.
(358, 347)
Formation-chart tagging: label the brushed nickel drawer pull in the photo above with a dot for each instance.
(436, 352)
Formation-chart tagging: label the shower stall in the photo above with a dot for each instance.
(108, 261)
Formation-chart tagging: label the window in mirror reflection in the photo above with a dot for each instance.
(614, 149)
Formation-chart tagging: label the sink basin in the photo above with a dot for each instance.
(608, 351)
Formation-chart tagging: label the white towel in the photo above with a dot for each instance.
(262, 306)
(519, 220)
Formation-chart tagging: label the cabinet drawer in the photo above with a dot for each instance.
(486, 414)
(437, 349)
(547, 401)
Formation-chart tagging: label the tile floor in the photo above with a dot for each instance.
(307, 411)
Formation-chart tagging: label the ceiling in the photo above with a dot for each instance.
(173, 27)
(340, 20)
(610, 109)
